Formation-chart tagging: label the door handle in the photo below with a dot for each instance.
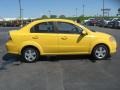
(35, 37)
(64, 38)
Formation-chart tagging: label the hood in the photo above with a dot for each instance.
(107, 21)
(119, 21)
(102, 34)
(86, 20)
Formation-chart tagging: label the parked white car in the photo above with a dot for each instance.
(117, 23)
(86, 21)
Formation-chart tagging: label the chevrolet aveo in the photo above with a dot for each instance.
(59, 37)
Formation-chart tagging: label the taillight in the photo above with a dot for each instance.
(9, 37)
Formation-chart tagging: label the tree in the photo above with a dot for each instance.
(44, 17)
(53, 16)
(62, 16)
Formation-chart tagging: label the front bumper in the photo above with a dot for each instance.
(113, 47)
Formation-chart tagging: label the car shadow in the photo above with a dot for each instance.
(9, 59)
(70, 57)
(16, 59)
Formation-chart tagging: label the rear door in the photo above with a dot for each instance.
(45, 34)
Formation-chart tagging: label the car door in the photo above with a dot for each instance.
(70, 39)
(44, 34)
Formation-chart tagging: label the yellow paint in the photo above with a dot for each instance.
(58, 43)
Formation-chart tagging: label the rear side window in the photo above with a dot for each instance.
(45, 27)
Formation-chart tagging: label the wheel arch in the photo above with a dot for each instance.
(100, 44)
(30, 44)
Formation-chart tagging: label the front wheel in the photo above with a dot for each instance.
(100, 52)
(30, 54)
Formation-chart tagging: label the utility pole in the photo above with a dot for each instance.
(20, 12)
(83, 10)
(103, 8)
(49, 12)
(22, 19)
(76, 12)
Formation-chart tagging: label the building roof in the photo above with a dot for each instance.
(12, 19)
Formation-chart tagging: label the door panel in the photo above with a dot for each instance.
(70, 40)
(44, 34)
(48, 42)
(75, 43)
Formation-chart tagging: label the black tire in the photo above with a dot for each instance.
(30, 54)
(100, 54)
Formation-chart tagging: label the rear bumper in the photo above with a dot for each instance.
(11, 47)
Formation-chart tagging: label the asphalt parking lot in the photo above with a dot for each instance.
(59, 73)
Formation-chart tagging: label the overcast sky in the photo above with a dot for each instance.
(37, 8)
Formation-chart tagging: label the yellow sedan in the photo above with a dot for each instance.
(59, 37)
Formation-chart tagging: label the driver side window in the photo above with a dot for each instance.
(67, 28)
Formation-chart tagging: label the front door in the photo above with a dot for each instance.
(70, 40)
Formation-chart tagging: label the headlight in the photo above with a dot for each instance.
(112, 39)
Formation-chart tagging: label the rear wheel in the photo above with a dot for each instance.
(30, 54)
(100, 52)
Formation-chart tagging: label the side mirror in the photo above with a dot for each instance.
(84, 32)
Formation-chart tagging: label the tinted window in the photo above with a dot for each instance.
(43, 27)
(67, 28)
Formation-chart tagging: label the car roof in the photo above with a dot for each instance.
(54, 20)
(48, 20)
